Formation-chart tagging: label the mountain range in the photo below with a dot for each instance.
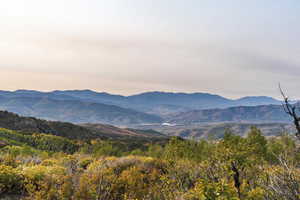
(87, 106)
(147, 100)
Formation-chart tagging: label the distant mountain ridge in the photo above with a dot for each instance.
(159, 103)
(189, 100)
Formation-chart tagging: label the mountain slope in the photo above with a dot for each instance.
(255, 101)
(113, 131)
(193, 100)
(91, 96)
(32, 125)
(267, 113)
(162, 102)
(85, 132)
(75, 111)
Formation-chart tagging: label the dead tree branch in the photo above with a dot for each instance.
(290, 109)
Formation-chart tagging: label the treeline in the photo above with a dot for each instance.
(251, 168)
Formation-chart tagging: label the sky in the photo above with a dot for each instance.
(232, 48)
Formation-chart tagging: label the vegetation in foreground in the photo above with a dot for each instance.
(48, 167)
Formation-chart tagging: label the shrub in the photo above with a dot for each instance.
(10, 180)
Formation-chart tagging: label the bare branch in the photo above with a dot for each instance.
(290, 109)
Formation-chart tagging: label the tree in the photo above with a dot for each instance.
(290, 109)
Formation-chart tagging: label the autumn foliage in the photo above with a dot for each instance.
(44, 167)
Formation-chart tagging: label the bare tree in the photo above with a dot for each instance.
(290, 109)
(283, 181)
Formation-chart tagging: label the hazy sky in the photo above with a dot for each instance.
(229, 47)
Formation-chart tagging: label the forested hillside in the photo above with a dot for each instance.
(45, 160)
(40, 166)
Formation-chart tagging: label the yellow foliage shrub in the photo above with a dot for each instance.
(10, 179)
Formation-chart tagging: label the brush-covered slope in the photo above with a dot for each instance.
(68, 130)
(113, 131)
(33, 125)
(39, 141)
